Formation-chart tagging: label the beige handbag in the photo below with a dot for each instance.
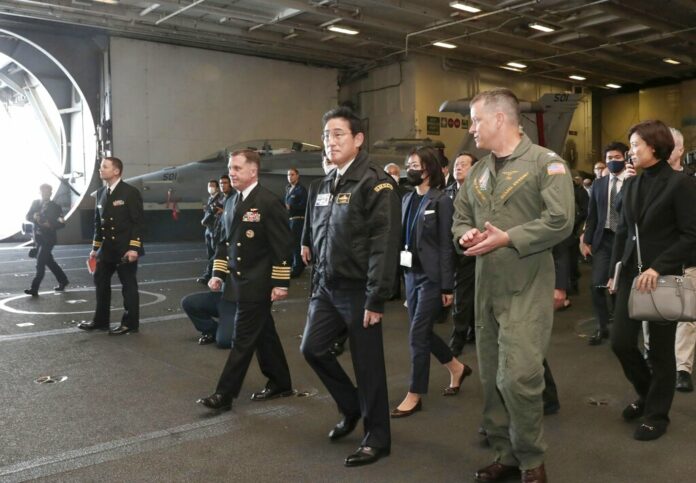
(674, 299)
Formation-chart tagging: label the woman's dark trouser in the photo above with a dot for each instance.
(44, 258)
(424, 299)
(656, 389)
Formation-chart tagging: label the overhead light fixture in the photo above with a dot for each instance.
(340, 29)
(507, 67)
(465, 7)
(541, 28)
(517, 64)
(613, 86)
(330, 22)
(577, 77)
(110, 2)
(291, 35)
(671, 61)
(149, 9)
(444, 45)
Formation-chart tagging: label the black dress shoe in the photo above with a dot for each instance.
(598, 336)
(684, 383)
(60, 287)
(398, 413)
(344, 428)
(122, 329)
(267, 394)
(497, 472)
(633, 411)
(206, 339)
(551, 408)
(454, 390)
(366, 455)
(650, 430)
(91, 325)
(216, 401)
(32, 292)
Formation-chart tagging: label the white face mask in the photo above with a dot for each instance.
(396, 178)
(211, 190)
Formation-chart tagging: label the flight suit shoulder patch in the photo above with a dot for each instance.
(555, 168)
(383, 186)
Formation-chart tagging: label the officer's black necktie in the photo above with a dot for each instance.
(613, 213)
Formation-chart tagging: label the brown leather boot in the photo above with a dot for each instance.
(534, 475)
(496, 472)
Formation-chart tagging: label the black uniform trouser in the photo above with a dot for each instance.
(44, 258)
(331, 313)
(254, 330)
(129, 289)
(210, 248)
(550, 394)
(464, 294)
(655, 389)
(296, 225)
(601, 271)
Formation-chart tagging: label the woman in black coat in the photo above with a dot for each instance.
(427, 258)
(661, 202)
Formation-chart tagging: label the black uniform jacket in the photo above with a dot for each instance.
(666, 222)
(433, 233)
(49, 213)
(355, 231)
(597, 210)
(118, 222)
(255, 246)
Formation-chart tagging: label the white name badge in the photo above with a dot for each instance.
(406, 258)
(323, 199)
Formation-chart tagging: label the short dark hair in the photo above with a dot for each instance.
(225, 176)
(46, 186)
(430, 161)
(444, 162)
(346, 113)
(115, 162)
(250, 155)
(297, 172)
(657, 135)
(215, 182)
(614, 146)
(474, 159)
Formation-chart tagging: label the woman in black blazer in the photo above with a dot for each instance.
(661, 201)
(427, 257)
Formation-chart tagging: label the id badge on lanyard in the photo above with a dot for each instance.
(406, 256)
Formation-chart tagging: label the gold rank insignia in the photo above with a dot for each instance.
(343, 198)
(250, 233)
(383, 186)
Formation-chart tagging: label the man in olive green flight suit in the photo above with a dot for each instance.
(517, 204)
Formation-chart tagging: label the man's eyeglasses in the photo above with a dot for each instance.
(337, 135)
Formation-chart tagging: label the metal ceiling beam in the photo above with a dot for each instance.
(179, 12)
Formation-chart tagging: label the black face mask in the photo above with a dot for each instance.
(414, 176)
(616, 167)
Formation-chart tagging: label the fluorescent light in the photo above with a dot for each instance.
(510, 68)
(444, 45)
(614, 86)
(465, 7)
(671, 61)
(330, 22)
(343, 30)
(517, 64)
(110, 2)
(540, 27)
(291, 35)
(576, 77)
(149, 9)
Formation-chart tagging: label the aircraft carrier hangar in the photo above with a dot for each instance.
(168, 83)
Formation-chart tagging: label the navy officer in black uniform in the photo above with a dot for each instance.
(296, 203)
(355, 230)
(252, 260)
(47, 217)
(117, 245)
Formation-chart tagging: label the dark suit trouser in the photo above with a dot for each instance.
(44, 258)
(601, 271)
(203, 308)
(210, 249)
(424, 299)
(296, 230)
(254, 330)
(464, 295)
(655, 389)
(550, 394)
(331, 313)
(129, 289)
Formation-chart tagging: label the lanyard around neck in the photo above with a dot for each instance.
(410, 223)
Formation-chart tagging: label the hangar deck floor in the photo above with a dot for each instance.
(126, 411)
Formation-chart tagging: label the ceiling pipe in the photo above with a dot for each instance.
(177, 12)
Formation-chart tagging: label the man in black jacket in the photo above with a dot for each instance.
(211, 213)
(253, 261)
(47, 218)
(117, 245)
(355, 234)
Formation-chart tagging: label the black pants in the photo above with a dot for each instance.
(296, 225)
(129, 289)
(254, 330)
(331, 313)
(601, 271)
(210, 250)
(550, 394)
(464, 293)
(656, 389)
(44, 258)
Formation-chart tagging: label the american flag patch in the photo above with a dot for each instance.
(555, 168)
